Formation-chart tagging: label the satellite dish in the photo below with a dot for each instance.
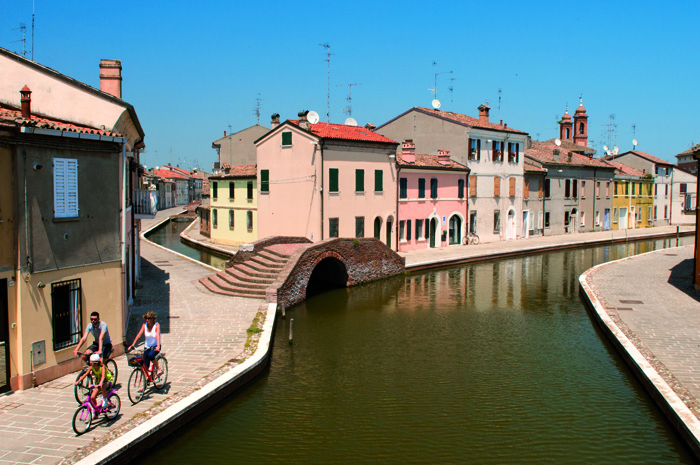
(312, 117)
(616, 150)
(436, 104)
(634, 142)
(606, 148)
(557, 142)
(351, 122)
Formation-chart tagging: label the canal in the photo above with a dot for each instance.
(168, 235)
(489, 363)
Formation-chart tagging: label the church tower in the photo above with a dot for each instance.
(566, 127)
(581, 126)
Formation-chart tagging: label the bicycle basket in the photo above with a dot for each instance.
(135, 361)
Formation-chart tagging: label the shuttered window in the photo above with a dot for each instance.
(214, 190)
(403, 188)
(333, 180)
(264, 181)
(65, 188)
(460, 188)
(526, 190)
(359, 180)
(511, 190)
(433, 188)
(421, 188)
(232, 190)
(497, 186)
(378, 180)
(472, 186)
(286, 138)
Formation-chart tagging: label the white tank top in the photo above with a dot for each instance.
(150, 335)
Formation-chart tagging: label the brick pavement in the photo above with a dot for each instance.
(200, 332)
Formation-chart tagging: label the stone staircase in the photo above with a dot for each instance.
(250, 278)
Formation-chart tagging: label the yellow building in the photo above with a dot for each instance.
(234, 206)
(633, 198)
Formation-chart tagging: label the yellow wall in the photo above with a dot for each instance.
(222, 233)
(640, 198)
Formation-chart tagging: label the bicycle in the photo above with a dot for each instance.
(470, 238)
(141, 376)
(82, 419)
(82, 390)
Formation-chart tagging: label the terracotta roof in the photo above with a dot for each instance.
(166, 173)
(429, 161)
(644, 155)
(530, 167)
(14, 118)
(238, 171)
(344, 132)
(568, 145)
(468, 120)
(544, 153)
(624, 169)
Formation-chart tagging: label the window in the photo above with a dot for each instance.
(634, 189)
(540, 220)
(474, 149)
(666, 190)
(472, 222)
(65, 188)
(546, 219)
(249, 220)
(359, 226)
(513, 152)
(607, 189)
(615, 215)
(359, 180)
(656, 212)
(511, 187)
(649, 217)
(378, 180)
(402, 230)
(433, 188)
(567, 188)
(250, 190)
(665, 211)
(230, 218)
(583, 218)
(421, 188)
(497, 151)
(540, 189)
(231, 190)
(547, 183)
(574, 188)
(597, 189)
(264, 180)
(597, 218)
(526, 189)
(472, 186)
(497, 186)
(214, 217)
(403, 188)
(214, 190)
(286, 139)
(419, 229)
(497, 221)
(333, 180)
(616, 187)
(332, 227)
(581, 128)
(567, 218)
(656, 189)
(583, 189)
(683, 187)
(66, 309)
(408, 230)
(460, 188)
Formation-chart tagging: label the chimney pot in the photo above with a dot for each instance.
(26, 100)
(224, 133)
(303, 121)
(275, 121)
(111, 77)
(408, 151)
(444, 157)
(484, 113)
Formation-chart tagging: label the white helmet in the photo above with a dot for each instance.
(94, 358)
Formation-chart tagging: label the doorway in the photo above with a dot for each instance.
(510, 225)
(433, 231)
(378, 228)
(623, 218)
(455, 230)
(526, 224)
(388, 233)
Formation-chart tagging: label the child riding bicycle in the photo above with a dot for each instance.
(102, 374)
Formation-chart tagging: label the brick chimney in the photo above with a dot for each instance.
(370, 126)
(484, 113)
(444, 157)
(408, 151)
(26, 99)
(275, 120)
(111, 77)
(303, 121)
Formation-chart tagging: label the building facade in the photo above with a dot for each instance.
(233, 211)
(238, 149)
(633, 198)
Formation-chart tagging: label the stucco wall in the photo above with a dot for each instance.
(7, 211)
(240, 204)
(238, 148)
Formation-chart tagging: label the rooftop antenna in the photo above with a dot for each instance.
(612, 137)
(451, 89)
(328, 60)
(348, 110)
(32, 30)
(634, 136)
(499, 104)
(256, 110)
(23, 28)
(436, 102)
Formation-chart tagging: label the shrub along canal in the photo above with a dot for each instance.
(489, 363)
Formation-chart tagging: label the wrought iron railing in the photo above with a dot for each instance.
(146, 202)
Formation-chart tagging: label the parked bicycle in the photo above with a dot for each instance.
(88, 411)
(470, 238)
(82, 389)
(141, 376)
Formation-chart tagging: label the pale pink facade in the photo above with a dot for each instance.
(432, 201)
(326, 180)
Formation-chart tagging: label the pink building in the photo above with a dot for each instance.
(326, 180)
(432, 199)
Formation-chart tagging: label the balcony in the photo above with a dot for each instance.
(145, 203)
(689, 204)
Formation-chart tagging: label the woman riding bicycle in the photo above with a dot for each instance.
(99, 372)
(151, 330)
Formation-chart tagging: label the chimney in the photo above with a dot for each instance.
(26, 100)
(370, 126)
(303, 122)
(408, 151)
(444, 157)
(224, 133)
(275, 120)
(111, 77)
(484, 113)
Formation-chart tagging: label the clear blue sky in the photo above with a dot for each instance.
(191, 69)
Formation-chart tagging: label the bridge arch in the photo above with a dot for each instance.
(329, 272)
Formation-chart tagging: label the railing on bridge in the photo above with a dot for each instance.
(145, 203)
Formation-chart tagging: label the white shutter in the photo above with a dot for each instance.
(65, 187)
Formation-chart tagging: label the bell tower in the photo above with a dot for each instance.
(566, 127)
(581, 126)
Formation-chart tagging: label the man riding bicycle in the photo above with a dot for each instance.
(102, 344)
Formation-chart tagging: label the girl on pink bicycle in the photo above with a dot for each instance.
(99, 372)
(151, 330)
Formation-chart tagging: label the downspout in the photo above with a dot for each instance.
(595, 186)
(320, 150)
(27, 218)
(544, 197)
(125, 285)
(670, 217)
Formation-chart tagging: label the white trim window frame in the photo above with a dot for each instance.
(65, 188)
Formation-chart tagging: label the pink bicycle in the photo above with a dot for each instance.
(82, 419)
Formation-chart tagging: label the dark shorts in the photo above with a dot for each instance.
(106, 350)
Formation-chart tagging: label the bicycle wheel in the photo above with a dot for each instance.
(159, 381)
(112, 367)
(112, 413)
(82, 419)
(137, 386)
(81, 391)
(475, 240)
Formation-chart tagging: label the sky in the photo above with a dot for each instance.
(193, 70)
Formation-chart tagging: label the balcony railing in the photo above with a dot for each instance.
(145, 203)
(689, 203)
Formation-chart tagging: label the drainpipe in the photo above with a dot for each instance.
(670, 215)
(123, 238)
(595, 185)
(544, 197)
(27, 218)
(320, 151)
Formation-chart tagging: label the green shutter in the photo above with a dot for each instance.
(378, 181)
(286, 138)
(359, 180)
(264, 180)
(333, 180)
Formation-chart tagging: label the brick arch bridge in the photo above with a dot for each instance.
(333, 263)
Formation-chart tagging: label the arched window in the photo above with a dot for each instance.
(581, 128)
(567, 134)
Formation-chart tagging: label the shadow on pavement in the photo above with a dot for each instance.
(153, 295)
(682, 278)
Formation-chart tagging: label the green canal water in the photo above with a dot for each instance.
(490, 363)
(168, 235)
